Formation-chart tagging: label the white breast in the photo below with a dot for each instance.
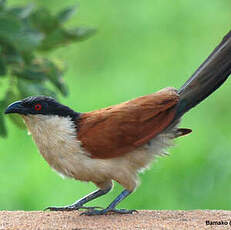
(57, 142)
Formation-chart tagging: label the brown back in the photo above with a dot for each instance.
(116, 130)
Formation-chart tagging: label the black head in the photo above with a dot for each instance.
(41, 105)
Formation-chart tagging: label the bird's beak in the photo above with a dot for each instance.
(15, 107)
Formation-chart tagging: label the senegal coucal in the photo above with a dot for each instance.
(115, 143)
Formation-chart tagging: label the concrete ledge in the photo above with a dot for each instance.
(38, 220)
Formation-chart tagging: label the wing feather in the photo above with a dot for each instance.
(116, 130)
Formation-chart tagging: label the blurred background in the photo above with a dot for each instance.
(139, 48)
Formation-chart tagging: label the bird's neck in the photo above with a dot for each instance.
(49, 124)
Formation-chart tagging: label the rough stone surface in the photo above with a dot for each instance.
(38, 220)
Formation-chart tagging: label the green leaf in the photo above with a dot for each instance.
(2, 4)
(22, 12)
(2, 66)
(44, 21)
(17, 120)
(65, 14)
(32, 72)
(10, 26)
(12, 56)
(54, 39)
(54, 74)
(3, 131)
(28, 39)
(42, 71)
(81, 33)
(27, 88)
(11, 97)
(19, 34)
(62, 36)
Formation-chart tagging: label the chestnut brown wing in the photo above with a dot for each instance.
(119, 129)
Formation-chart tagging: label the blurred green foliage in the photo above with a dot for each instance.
(140, 47)
(25, 32)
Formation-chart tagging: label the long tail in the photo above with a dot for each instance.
(207, 78)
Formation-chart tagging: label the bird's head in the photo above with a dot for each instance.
(40, 105)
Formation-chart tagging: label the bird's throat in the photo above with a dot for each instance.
(55, 137)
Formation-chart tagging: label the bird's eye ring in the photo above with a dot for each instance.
(37, 107)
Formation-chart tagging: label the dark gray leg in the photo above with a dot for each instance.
(79, 204)
(111, 207)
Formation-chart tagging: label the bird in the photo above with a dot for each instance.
(115, 143)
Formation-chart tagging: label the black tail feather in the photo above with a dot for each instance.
(207, 78)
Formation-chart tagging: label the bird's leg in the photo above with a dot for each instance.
(79, 204)
(111, 207)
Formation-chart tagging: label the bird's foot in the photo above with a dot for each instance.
(106, 211)
(71, 208)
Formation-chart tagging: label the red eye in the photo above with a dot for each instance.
(37, 107)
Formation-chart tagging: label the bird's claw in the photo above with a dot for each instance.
(70, 208)
(106, 211)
